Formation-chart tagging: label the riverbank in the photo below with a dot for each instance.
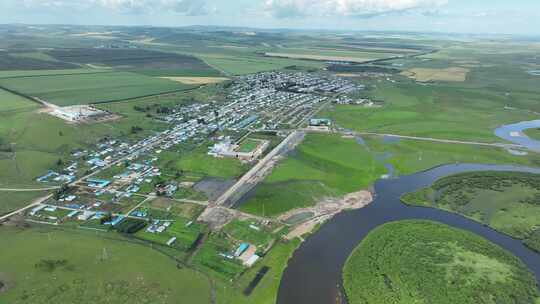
(417, 261)
(314, 273)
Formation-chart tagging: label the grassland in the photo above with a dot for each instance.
(267, 289)
(426, 262)
(198, 162)
(410, 156)
(322, 166)
(10, 201)
(436, 111)
(12, 102)
(95, 269)
(507, 202)
(469, 110)
(66, 90)
(533, 133)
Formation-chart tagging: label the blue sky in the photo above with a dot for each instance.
(465, 16)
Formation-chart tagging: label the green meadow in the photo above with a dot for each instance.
(11, 102)
(95, 269)
(410, 156)
(322, 166)
(426, 262)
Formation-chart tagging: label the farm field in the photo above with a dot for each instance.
(356, 57)
(12, 102)
(456, 74)
(422, 261)
(94, 269)
(506, 201)
(322, 166)
(197, 80)
(35, 73)
(64, 90)
(435, 111)
(147, 62)
(248, 64)
(496, 92)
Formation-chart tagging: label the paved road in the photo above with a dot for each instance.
(447, 141)
(255, 170)
(28, 190)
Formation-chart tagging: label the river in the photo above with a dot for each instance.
(514, 133)
(314, 273)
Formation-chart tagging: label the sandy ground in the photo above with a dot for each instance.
(318, 57)
(197, 80)
(325, 210)
(453, 74)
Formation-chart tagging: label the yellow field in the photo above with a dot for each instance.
(453, 74)
(197, 80)
(318, 57)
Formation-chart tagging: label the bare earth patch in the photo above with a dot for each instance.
(197, 80)
(453, 74)
(325, 210)
(318, 57)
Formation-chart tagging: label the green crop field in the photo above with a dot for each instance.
(83, 88)
(497, 91)
(35, 73)
(322, 166)
(508, 202)
(426, 262)
(93, 270)
(12, 102)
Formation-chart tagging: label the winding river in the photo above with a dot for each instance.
(514, 133)
(313, 275)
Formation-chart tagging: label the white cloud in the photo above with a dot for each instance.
(189, 7)
(358, 8)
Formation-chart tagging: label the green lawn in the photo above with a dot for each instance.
(427, 262)
(248, 145)
(87, 268)
(322, 166)
(507, 202)
(90, 88)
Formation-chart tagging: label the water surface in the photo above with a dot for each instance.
(313, 275)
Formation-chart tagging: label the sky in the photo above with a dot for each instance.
(456, 16)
